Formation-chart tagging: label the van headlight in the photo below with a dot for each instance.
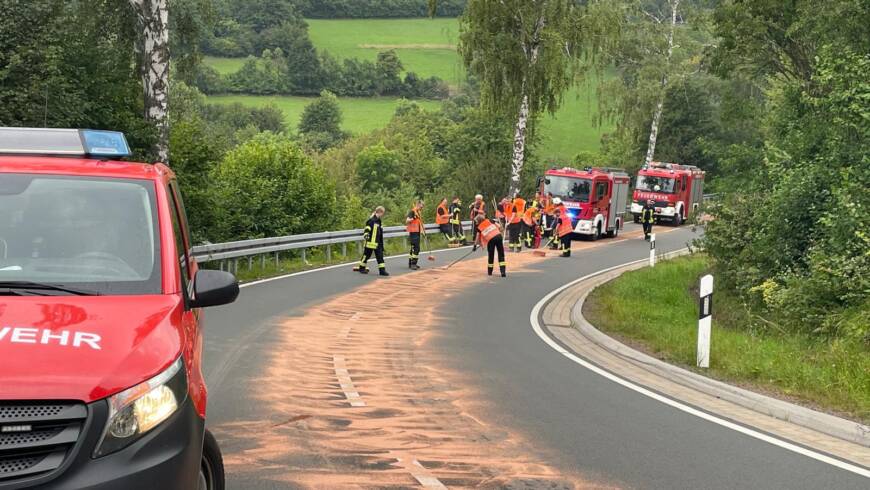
(134, 412)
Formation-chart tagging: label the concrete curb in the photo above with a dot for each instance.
(821, 422)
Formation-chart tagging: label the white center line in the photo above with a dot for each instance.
(346, 383)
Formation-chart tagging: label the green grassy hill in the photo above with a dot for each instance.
(426, 47)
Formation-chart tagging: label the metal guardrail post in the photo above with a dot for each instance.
(263, 261)
(329, 252)
(250, 262)
(344, 249)
(277, 262)
(304, 260)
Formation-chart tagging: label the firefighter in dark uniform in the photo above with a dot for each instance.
(456, 220)
(374, 243)
(647, 218)
(414, 227)
(489, 236)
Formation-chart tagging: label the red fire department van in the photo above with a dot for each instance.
(677, 190)
(101, 382)
(596, 198)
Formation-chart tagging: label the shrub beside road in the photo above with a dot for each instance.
(656, 310)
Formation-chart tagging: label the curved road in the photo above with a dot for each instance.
(580, 422)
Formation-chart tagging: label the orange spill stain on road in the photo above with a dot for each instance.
(357, 398)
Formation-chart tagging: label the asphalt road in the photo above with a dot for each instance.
(589, 424)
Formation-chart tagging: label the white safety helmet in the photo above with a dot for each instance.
(557, 201)
(657, 188)
(478, 196)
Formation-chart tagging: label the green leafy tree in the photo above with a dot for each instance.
(268, 187)
(389, 68)
(320, 124)
(378, 169)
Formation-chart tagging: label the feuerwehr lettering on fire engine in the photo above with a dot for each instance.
(44, 336)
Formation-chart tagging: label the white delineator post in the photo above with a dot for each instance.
(705, 320)
(652, 250)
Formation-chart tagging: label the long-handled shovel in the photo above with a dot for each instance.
(460, 259)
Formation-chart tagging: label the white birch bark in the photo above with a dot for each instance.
(657, 115)
(152, 18)
(519, 146)
(519, 156)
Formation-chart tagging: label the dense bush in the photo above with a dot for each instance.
(268, 187)
(333, 9)
(795, 244)
(320, 124)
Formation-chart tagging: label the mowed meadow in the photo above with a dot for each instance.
(428, 48)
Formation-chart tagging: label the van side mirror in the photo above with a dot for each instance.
(214, 288)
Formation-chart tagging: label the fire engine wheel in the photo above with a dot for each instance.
(597, 234)
(637, 218)
(614, 232)
(678, 218)
(211, 469)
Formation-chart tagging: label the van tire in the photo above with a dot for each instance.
(211, 473)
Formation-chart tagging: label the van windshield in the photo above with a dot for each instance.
(570, 188)
(88, 233)
(649, 183)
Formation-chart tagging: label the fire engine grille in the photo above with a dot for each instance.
(36, 438)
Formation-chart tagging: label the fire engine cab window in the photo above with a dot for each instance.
(569, 188)
(649, 183)
(94, 234)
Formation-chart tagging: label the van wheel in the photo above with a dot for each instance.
(211, 470)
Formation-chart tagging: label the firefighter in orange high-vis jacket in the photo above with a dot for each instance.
(414, 227)
(564, 231)
(489, 236)
(515, 222)
(442, 219)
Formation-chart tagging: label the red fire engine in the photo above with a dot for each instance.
(676, 189)
(596, 198)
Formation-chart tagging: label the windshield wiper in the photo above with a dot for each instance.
(31, 286)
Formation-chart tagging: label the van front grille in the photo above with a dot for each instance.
(36, 438)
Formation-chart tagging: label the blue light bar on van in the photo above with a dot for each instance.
(105, 143)
(72, 142)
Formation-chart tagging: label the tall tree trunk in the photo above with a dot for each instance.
(152, 18)
(519, 146)
(657, 116)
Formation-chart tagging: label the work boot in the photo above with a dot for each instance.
(383, 273)
(363, 270)
(489, 271)
(415, 267)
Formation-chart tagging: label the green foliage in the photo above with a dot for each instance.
(71, 64)
(320, 125)
(378, 169)
(268, 187)
(804, 259)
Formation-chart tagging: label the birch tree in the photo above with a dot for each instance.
(152, 19)
(657, 115)
(524, 52)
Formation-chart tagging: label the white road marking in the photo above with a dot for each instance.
(346, 383)
(422, 475)
(536, 326)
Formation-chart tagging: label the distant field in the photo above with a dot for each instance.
(424, 46)
(224, 66)
(361, 115)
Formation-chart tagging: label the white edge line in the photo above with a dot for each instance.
(337, 266)
(667, 401)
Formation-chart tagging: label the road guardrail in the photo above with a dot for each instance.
(263, 247)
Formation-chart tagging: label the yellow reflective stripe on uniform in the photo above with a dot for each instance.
(502, 264)
(373, 238)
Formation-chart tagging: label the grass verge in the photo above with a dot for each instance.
(656, 311)
(265, 266)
